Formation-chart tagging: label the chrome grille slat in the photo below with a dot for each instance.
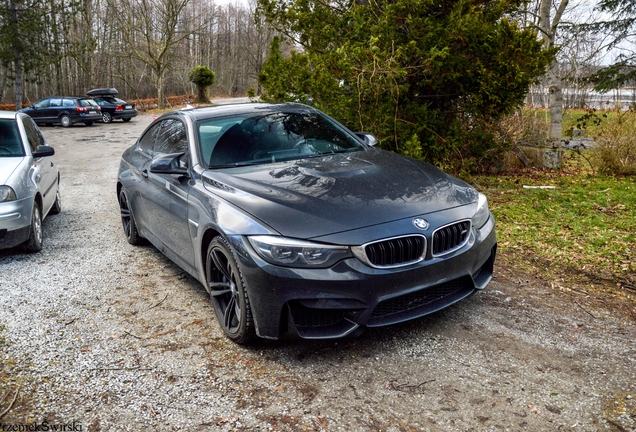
(450, 237)
(393, 252)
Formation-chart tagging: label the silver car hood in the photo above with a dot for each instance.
(7, 166)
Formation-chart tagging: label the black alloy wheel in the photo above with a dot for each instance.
(227, 292)
(128, 221)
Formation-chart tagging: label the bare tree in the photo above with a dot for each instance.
(153, 31)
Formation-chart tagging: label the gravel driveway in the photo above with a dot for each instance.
(96, 334)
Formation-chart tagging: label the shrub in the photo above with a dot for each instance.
(615, 152)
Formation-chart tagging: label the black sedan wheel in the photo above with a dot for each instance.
(106, 117)
(65, 120)
(227, 292)
(126, 120)
(128, 221)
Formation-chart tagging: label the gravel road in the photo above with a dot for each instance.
(100, 335)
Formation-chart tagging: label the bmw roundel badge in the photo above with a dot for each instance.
(420, 224)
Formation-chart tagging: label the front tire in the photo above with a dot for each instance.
(227, 292)
(106, 117)
(34, 243)
(128, 221)
(65, 120)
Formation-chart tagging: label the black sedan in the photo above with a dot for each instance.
(65, 110)
(295, 224)
(112, 107)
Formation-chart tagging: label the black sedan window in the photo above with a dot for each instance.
(251, 140)
(41, 104)
(10, 143)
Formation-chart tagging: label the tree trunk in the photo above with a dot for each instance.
(17, 58)
(548, 27)
(556, 103)
(160, 101)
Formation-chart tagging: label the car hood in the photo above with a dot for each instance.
(314, 197)
(7, 166)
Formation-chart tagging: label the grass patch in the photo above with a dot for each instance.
(584, 226)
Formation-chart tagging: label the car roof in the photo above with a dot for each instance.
(200, 113)
(8, 114)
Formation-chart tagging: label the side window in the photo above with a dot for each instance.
(56, 102)
(68, 103)
(147, 141)
(172, 138)
(33, 134)
(41, 104)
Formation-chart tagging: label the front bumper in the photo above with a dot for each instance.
(15, 222)
(333, 302)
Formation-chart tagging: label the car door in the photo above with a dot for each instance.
(54, 109)
(136, 184)
(39, 110)
(166, 195)
(46, 171)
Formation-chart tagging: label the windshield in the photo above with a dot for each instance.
(10, 143)
(258, 139)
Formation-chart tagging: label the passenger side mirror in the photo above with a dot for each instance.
(368, 138)
(43, 151)
(168, 164)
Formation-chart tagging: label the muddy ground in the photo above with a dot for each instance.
(101, 335)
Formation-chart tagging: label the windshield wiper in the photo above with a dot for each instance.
(237, 164)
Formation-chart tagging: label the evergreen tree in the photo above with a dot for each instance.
(203, 78)
(428, 77)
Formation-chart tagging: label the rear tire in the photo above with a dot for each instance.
(57, 205)
(34, 243)
(126, 120)
(65, 120)
(128, 221)
(106, 117)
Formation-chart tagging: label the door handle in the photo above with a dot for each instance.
(52, 164)
(144, 173)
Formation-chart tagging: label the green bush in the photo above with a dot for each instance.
(615, 152)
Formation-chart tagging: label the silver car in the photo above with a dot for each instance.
(29, 182)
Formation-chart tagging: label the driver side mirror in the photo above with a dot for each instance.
(168, 164)
(367, 138)
(43, 151)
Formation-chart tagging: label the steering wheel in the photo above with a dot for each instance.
(299, 144)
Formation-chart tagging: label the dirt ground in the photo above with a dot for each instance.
(101, 335)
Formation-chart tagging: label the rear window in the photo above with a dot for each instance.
(87, 102)
(10, 142)
(69, 103)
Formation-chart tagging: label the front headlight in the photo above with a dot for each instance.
(482, 214)
(297, 253)
(7, 194)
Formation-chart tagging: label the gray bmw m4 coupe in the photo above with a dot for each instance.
(295, 224)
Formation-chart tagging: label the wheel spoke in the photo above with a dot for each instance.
(229, 313)
(217, 263)
(125, 213)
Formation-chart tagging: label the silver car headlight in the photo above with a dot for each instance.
(297, 253)
(482, 214)
(7, 194)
